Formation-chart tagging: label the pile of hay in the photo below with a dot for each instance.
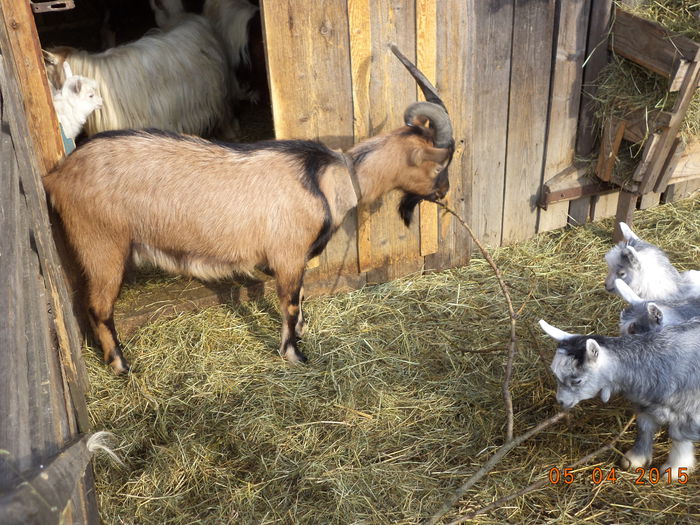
(400, 403)
(624, 87)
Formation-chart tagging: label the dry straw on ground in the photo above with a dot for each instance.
(400, 403)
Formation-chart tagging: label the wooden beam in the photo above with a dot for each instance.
(641, 123)
(19, 44)
(626, 205)
(669, 167)
(572, 183)
(613, 131)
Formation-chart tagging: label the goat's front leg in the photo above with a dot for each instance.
(640, 453)
(289, 291)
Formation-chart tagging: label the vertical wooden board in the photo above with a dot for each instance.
(491, 31)
(527, 116)
(360, 31)
(19, 42)
(395, 248)
(606, 206)
(579, 211)
(649, 200)
(426, 56)
(312, 94)
(455, 83)
(596, 58)
(15, 428)
(626, 204)
(565, 98)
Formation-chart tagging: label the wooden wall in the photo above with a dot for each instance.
(510, 73)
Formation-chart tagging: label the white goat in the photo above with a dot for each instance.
(647, 270)
(75, 101)
(173, 80)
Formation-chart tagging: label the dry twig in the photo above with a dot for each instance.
(486, 468)
(512, 344)
(541, 483)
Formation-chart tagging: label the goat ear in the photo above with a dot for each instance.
(75, 85)
(415, 158)
(67, 70)
(49, 57)
(554, 333)
(655, 314)
(605, 395)
(627, 232)
(626, 292)
(631, 255)
(438, 155)
(592, 350)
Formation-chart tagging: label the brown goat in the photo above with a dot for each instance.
(210, 209)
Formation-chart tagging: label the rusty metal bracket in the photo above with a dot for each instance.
(49, 7)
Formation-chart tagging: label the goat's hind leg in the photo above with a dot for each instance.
(300, 328)
(105, 272)
(289, 291)
(681, 456)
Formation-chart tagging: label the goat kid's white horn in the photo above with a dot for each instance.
(626, 292)
(553, 332)
(627, 232)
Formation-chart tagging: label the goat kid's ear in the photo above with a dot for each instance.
(67, 70)
(631, 255)
(592, 351)
(655, 314)
(75, 85)
(605, 395)
(627, 232)
(554, 333)
(626, 292)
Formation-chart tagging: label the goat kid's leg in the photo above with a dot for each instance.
(682, 455)
(640, 453)
(289, 293)
(300, 328)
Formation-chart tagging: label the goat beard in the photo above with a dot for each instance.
(408, 204)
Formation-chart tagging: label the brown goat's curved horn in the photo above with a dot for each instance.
(439, 120)
(425, 85)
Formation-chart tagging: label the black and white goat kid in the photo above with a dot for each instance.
(659, 372)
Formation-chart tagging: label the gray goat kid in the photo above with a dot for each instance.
(647, 270)
(659, 372)
(650, 316)
(210, 209)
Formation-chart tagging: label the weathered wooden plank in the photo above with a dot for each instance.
(688, 165)
(650, 168)
(649, 199)
(651, 45)
(641, 123)
(490, 52)
(395, 248)
(565, 98)
(44, 492)
(455, 81)
(572, 183)
(596, 59)
(360, 60)
(669, 166)
(626, 204)
(527, 117)
(19, 42)
(32, 160)
(426, 56)
(579, 211)
(314, 99)
(613, 131)
(15, 434)
(605, 206)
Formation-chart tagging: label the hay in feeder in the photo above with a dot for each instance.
(400, 403)
(624, 87)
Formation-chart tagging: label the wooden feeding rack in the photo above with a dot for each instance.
(678, 59)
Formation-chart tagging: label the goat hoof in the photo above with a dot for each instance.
(119, 366)
(631, 461)
(300, 329)
(293, 355)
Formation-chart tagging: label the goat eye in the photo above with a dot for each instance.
(622, 274)
(576, 381)
(631, 329)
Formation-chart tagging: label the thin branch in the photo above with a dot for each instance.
(512, 344)
(488, 466)
(543, 482)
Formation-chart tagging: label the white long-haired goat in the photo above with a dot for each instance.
(646, 269)
(173, 80)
